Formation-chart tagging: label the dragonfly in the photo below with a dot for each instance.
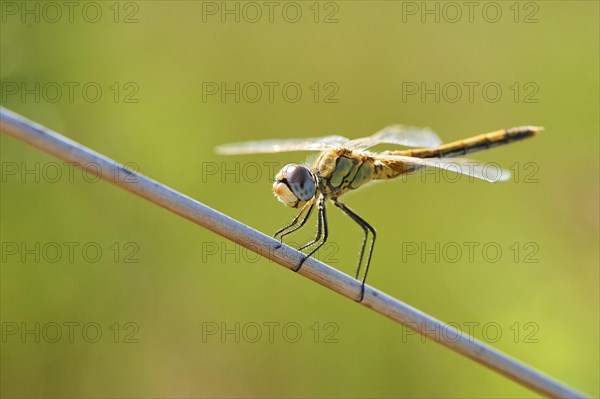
(345, 165)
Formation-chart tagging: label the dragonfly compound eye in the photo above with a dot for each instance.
(300, 181)
(294, 185)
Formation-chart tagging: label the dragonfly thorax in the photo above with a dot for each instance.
(294, 185)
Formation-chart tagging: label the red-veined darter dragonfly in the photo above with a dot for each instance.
(346, 165)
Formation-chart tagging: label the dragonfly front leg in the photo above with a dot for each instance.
(290, 228)
(366, 228)
(322, 231)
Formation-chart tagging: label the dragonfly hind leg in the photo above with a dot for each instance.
(366, 228)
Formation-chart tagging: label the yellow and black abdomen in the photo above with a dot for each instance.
(389, 169)
(478, 143)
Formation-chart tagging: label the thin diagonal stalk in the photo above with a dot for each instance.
(70, 151)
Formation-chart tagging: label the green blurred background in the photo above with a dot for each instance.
(354, 61)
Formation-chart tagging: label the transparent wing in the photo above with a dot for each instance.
(264, 146)
(400, 135)
(477, 169)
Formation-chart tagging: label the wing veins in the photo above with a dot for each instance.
(284, 145)
(463, 166)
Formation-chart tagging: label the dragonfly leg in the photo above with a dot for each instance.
(293, 226)
(322, 231)
(366, 228)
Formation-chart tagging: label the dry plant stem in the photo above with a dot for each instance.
(70, 151)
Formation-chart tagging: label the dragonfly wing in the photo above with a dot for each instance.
(480, 170)
(400, 135)
(266, 146)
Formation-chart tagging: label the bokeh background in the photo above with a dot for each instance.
(169, 309)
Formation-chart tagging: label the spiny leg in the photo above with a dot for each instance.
(322, 230)
(366, 228)
(307, 210)
(321, 227)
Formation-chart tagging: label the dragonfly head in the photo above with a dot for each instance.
(294, 185)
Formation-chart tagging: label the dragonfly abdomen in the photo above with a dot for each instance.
(477, 143)
(389, 169)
